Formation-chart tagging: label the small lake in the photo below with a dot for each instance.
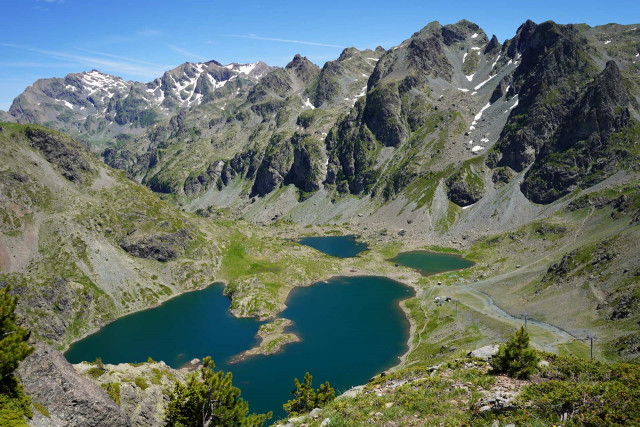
(337, 246)
(430, 263)
(351, 328)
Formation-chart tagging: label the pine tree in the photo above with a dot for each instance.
(14, 404)
(515, 358)
(210, 400)
(13, 339)
(305, 398)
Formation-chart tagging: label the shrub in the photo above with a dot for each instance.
(306, 399)
(209, 400)
(515, 358)
(113, 390)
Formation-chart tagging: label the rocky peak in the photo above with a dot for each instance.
(433, 27)
(303, 69)
(493, 46)
(523, 36)
(460, 31)
(347, 53)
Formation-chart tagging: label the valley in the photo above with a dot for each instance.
(317, 207)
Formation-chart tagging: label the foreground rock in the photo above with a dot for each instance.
(69, 399)
(141, 390)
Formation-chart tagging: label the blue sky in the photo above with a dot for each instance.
(140, 39)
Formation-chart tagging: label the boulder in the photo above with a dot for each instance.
(496, 401)
(485, 353)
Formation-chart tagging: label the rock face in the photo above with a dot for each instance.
(62, 152)
(581, 151)
(275, 165)
(466, 186)
(393, 123)
(161, 247)
(572, 124)
(56, 297)
(141, 388)
(52, 382)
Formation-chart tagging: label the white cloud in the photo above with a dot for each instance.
(186, 53)
(34, 64)
(124, 58)
(149, 33)
(125, 66)
(253, 36)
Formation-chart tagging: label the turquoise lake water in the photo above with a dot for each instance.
(430, 263)
(337, 246)
(351, 328)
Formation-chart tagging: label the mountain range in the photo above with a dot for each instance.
(523, 156)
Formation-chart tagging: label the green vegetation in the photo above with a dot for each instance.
(305, 398)
(14, 404)
(515, 358)
(237, 262)
(95, 372)
(471, 62)
(209, 400)
(40, 408)
(569, 391)
(141, 382)
(13, 342)
(113, 390)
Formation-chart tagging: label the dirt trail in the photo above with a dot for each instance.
(543, 335)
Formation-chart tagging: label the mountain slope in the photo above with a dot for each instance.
(449, 138)
(83, 245)
(98, 107)
(76, 258)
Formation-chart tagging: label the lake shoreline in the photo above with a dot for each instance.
(403, 275)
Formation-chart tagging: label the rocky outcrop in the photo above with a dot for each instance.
(307, 172)
(56, 299)
(69, 398)
(466, 186)
(502, 88)
(159, 247)
(553, 61)
(580, 152)
(201, 183)
(351, 144)
(328, 86)
(383, 115)
(275, 165)
(140, 389)
(337, 77)
(493, 46)
(484, 353)
(566, 115)
(244, 164)
(64, 153)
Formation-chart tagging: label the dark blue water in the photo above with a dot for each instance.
(351, 329)
(337, 246)
(430, 263)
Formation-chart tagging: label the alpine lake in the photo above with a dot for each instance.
(350, 329)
